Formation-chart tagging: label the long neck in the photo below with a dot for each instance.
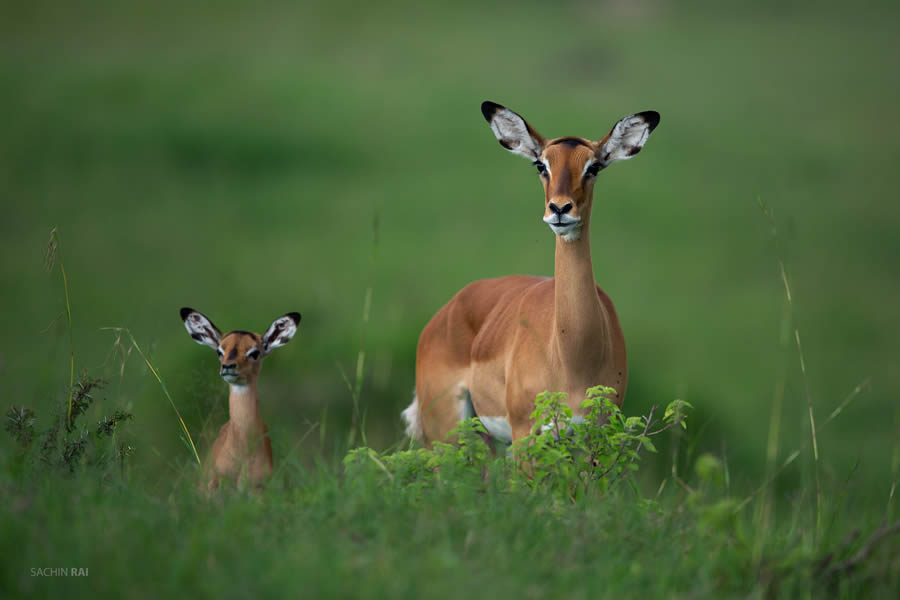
(580, 333)
(243, 408)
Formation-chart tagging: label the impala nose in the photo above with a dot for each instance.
(229, 368)
(556, 210)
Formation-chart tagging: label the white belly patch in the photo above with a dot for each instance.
(498, 428)
(575, 420)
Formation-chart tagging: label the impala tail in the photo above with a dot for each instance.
(413, 423)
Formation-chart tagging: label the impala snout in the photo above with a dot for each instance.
(229, 372)
(557, 210)
(562, 220)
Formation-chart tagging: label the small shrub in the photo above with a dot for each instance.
(65, 444)
(561, 457)
(20, 424)
(569, 458)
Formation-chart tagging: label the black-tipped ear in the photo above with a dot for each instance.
(651, 117)
(488, 109)
(280, 332)
(627, 137)
(201, 329)
(512, 131)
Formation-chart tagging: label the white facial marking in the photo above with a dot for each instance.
(565, 226)
(587, 166)
(563, 220)
(498, 428)
(572, 235)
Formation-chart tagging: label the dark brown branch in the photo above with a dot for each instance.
(854, 561)
(826, 560)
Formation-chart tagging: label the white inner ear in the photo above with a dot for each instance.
(202, 330)
(627, 137)
(278, 334)
(511, 130)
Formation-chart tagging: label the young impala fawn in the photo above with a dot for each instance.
(500, 342)
(243, 448)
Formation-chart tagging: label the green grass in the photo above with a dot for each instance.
(315, 534)
(233, 159)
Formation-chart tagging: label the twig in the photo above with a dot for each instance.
(380, 465)
(854, 561)
(826, 560)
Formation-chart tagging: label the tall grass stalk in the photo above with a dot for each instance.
(50, 257)
(768, 506)
(895, 466)
(188, 439)
(809, 403)
(355, 388)
(797, 451)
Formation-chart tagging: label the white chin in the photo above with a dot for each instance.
(569, 233)
(230, 378)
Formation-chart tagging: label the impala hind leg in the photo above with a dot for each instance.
(441, 404)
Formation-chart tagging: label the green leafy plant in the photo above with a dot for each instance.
(64, 443)
(563, 456)
(570, 456)
(462, 464)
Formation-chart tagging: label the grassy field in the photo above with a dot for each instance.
(254, 161)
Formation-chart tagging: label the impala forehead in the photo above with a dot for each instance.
(572, 154)
(240, 341)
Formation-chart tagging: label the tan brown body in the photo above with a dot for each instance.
(500, 342)
(243, 451)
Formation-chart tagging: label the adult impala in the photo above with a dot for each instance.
(243, 448)
(500, 342)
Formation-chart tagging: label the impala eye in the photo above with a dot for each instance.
(592, 170)
(219, 352)
(254, 354)
(541, 167)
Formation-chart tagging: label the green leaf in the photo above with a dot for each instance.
(632, 423)
(647, 443)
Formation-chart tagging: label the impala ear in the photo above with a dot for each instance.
(280, 332)
(627, 137)
(201, 329)
(512, 131)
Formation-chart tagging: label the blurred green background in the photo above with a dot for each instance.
(250, 161)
